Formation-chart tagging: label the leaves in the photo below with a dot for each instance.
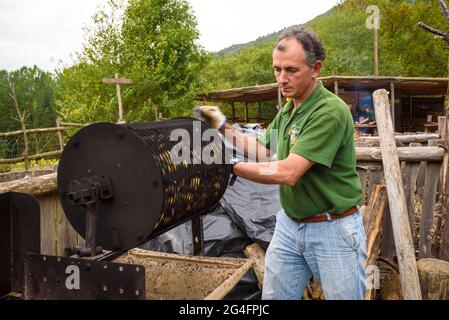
(154, 45)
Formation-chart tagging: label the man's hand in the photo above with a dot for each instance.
(213, 116)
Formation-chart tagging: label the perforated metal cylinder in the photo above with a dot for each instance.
(153, 185)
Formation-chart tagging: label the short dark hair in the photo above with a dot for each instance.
(313, 48)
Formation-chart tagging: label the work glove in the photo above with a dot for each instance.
(212, 115)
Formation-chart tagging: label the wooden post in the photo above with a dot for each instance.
(396, 199)
(393, 111)
(117, 81)
(336, 87)
(428, 206)
(372, 222)
(434, 279)
(60, 136)
(444, 133)
(411, 176)
(119, 100)
(376, 52)
(22, 124)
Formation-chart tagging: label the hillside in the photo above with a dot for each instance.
(405, 49)
(236, 48)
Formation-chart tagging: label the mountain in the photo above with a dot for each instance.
(236, 48)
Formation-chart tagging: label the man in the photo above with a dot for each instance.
(319, 231)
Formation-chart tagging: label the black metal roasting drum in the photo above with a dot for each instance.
(127, 176)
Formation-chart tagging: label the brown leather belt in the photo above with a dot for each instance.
(326, 216)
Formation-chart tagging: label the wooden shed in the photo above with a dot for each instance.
(417, 102)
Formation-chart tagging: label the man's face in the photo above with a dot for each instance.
(293, 75)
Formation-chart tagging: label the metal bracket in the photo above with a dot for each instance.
(50, 277)
(88, 192)
(198, 236)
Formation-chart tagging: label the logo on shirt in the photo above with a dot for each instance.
(294, 134)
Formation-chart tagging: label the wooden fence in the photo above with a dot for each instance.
(59, 130)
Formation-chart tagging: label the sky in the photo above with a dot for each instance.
(47, 33)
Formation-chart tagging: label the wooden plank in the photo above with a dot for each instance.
(428, 207)
(396, 197)
(48, 232)
(49, 154)
(405, 153)
(372, 221)
(29, 131)
(405, 138)
(116, 80)
(221, 291)
(410, 177)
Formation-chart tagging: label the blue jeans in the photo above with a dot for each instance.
(332, 251)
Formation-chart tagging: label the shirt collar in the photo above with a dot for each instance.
(289, 105)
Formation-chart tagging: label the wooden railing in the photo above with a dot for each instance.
(59, 129)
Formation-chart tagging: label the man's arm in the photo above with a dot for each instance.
(286, 172)
(250, 146)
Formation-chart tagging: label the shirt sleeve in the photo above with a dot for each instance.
(320, 140)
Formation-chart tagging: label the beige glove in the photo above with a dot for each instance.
(213, 116)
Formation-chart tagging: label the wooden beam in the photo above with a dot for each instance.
(405, 139)
(222, 290)
(409, 154)
(32, 185)
(60, 136)
(116, 80)
(432, 172)
(396, 198)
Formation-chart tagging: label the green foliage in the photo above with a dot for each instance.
(35, 94)
(152, 42)
(405, 49)
(34, 90)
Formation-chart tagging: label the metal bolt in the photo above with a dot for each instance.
(137, 292)
(137, 269)
(105, 288)
(121, 291)
(120, 269)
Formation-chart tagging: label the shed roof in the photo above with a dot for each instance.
(269, 92)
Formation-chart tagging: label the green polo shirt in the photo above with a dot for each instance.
(321, 130)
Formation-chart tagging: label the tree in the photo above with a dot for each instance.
(153, 42)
